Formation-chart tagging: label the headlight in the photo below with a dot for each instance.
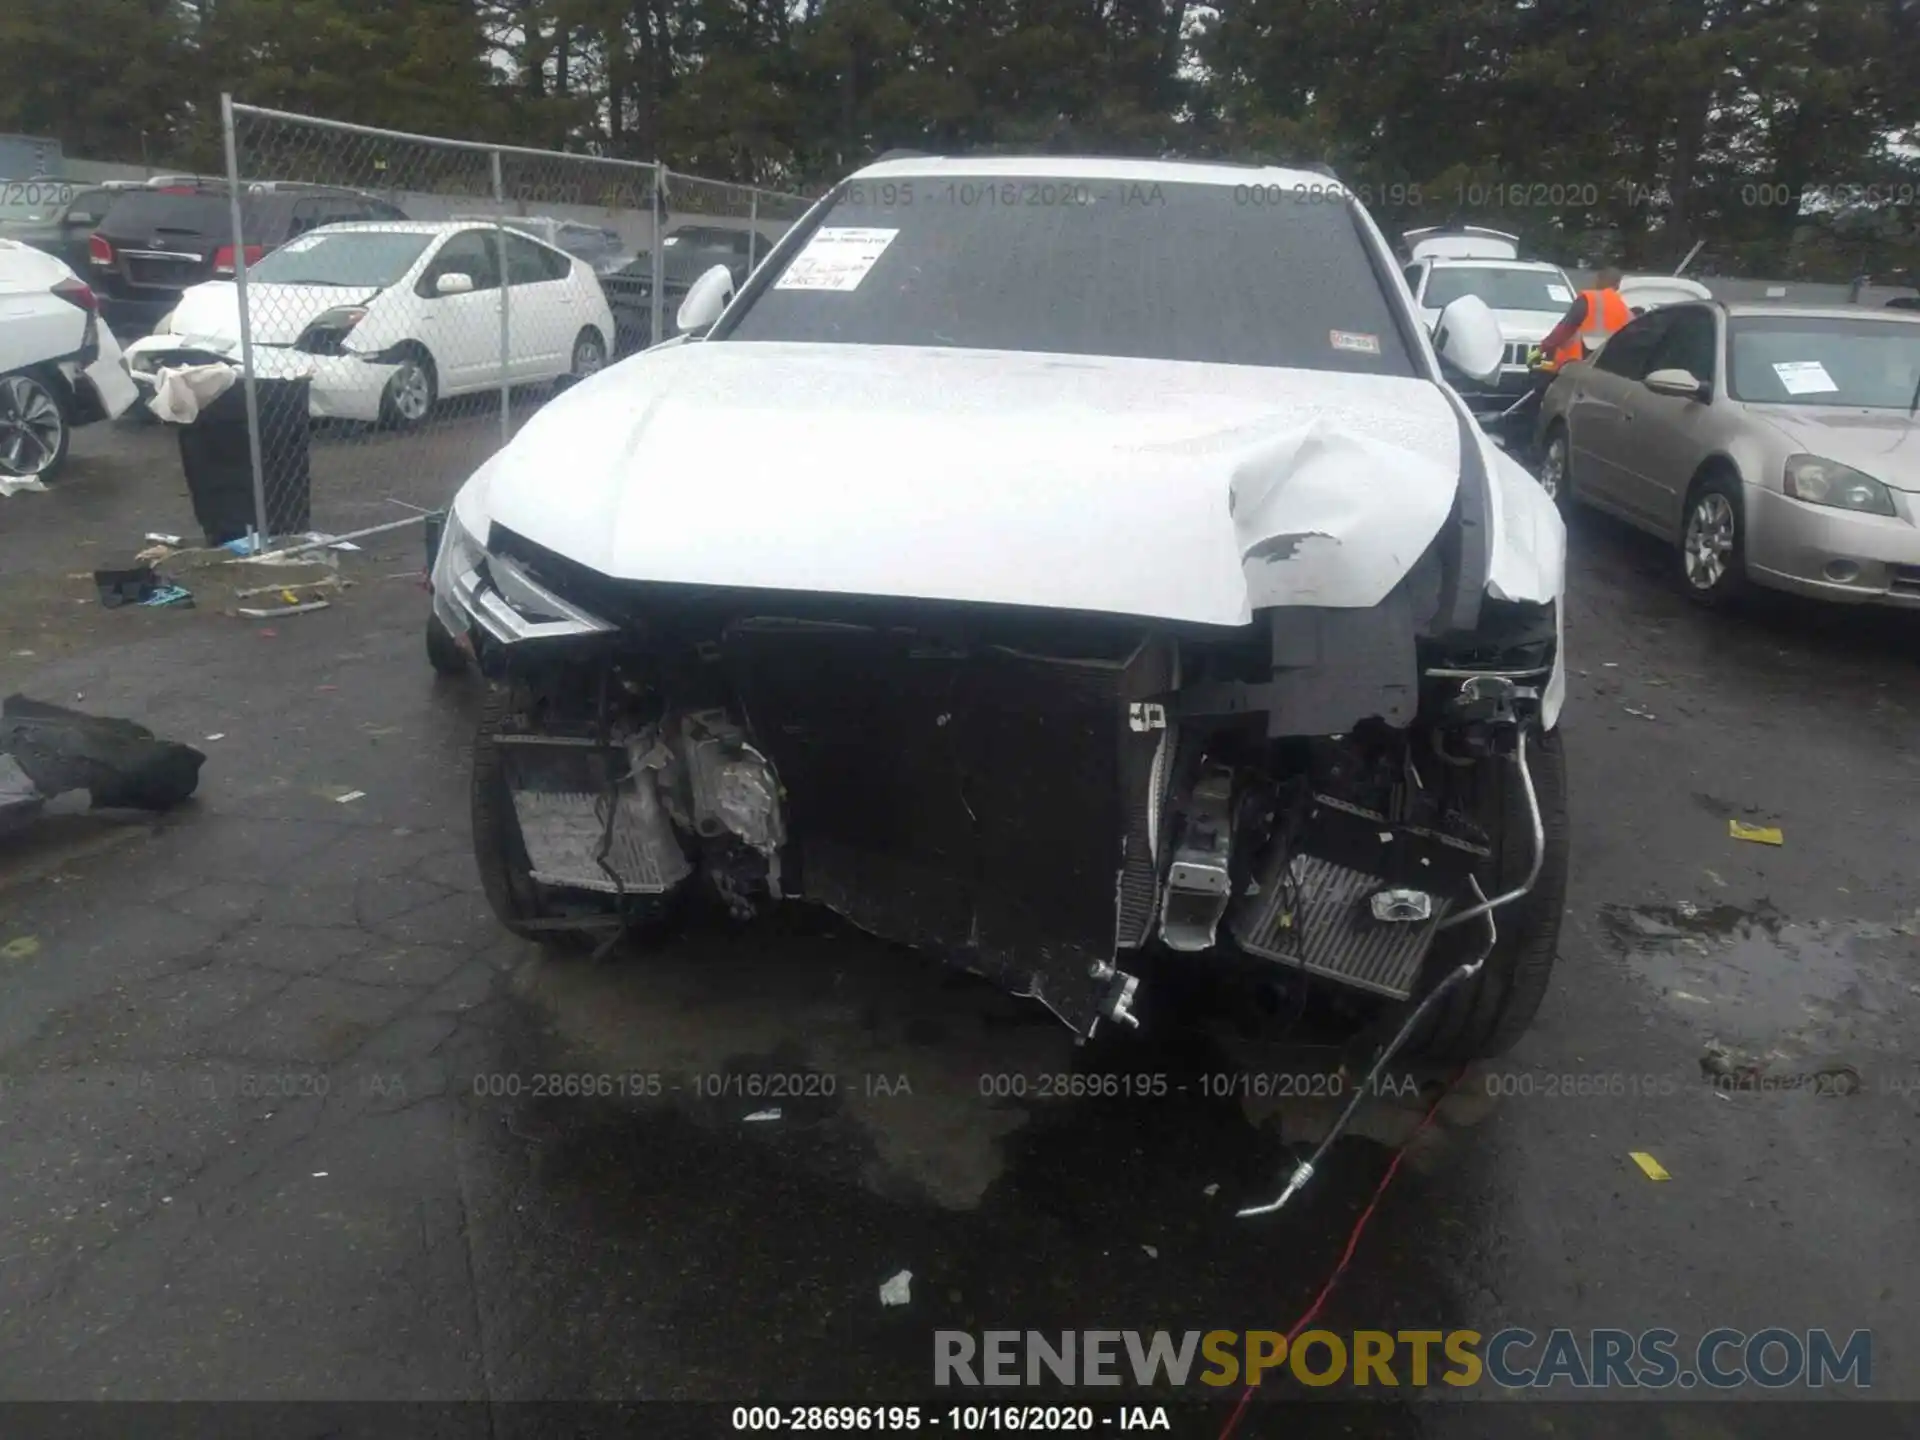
(327, 332)
(458, 553)
(1828, 482)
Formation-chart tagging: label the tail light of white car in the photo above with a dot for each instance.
(326, 334)
(1827, 482)
(79, 293)
(223, 258)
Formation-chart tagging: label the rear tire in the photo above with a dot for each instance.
(1556, 468)
(1485, 1016)
(36, 426)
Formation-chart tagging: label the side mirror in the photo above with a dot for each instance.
(1680, 384)
(1468, 337)
(706, 299)
(453, 282)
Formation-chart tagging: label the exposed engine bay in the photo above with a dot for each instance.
(1038, 796)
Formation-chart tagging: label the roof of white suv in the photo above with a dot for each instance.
(1092, 167)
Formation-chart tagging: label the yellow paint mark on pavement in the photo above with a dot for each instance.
(1653, 1169)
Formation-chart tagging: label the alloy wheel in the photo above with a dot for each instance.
(1708, 547)
(31, 426)
(1553, 469)
(411, 394)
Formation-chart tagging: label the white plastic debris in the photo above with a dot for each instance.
(218, 735)
(350, 797)
(1212, 1190)
(1152, 1254)
(772, 1114)
(898, 1290)
(182, 392)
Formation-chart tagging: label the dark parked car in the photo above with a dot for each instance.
(64, 233)
(691, 251)
(155, 243)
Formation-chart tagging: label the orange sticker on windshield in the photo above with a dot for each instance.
(1353, 341)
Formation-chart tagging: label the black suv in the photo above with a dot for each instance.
(154, 243)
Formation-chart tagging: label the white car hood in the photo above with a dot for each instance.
(1179, 491)
(209, 314)
(1528, 325)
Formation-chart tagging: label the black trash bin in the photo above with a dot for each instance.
(219, 466)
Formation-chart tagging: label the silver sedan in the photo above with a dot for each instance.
(1771, 445)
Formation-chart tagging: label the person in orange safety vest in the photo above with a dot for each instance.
(1594, 315)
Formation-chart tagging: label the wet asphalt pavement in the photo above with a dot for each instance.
(285, 1115)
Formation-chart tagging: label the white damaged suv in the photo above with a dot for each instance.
(1066, 566)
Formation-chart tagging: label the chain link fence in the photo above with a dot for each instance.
(400, 303)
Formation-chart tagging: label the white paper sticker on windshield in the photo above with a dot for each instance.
(1805, 377)
(1359, 344)
(1559, 294)
(837, 257)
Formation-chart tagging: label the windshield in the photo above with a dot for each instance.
(360, 259)
(1814, 360)
(1543, 290)
(1151, 270)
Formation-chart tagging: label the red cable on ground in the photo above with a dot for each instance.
(1353, 1241)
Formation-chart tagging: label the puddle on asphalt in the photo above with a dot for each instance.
(911, 1080)
(1752, 976)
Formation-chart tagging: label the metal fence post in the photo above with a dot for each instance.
(506, 332)
(246, 320)
(753, 232)
(656, 319)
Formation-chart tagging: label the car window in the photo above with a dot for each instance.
(470, 251)
(356, 259)
(1823, 360)
(1687, 345)
(1155, 270)
(531, 264)
(381, 210)
(90, 202)
(1628, 350)
(306, 215)
(142, 214)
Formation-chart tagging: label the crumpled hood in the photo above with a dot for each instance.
(1180, 491)
(1531, 326)
(209, 313)
(1882, 443)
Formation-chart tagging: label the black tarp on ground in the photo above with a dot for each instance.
(121, 765)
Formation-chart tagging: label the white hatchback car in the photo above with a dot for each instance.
(59, 366)
(388, 317)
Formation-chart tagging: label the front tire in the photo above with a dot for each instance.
(1713, 542)
(589, 356)
(443, 651)
(1556, 468)
(410, 394)
(35, 426)
(1485, 1016)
